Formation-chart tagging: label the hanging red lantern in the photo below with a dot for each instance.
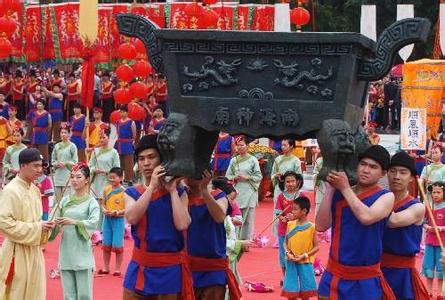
(125, 73)
(299, 16)
(7, 7)
(127, 51)
(7, 27)
(142, 68)
(209, 2)
(139, 46)
(210, 19)
(115, 116)
(136, 112)
(5, 48)
(139, 90)
(122, 96)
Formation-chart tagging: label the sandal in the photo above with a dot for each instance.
(117, 273)
(103, 272)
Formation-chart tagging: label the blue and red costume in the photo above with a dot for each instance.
(125, 138)
(77, 128)
(55, 109)
(40, 128)
(4, 110)
(353, 270)
(159, 261)
(208, 259)
(222, 154)
(400, 246)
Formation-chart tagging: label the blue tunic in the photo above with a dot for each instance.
(404, 241)
(55, 109)
(354, 244)
(124, 143)
(155, 232)
(4, 110)
(222, 154)
(212, 246)
(40, 128)
(77, 127)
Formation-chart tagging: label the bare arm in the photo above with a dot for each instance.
(316, 247)
(369, 215)
(135, 210)
(217, 208)
(323, 219)
(133, 129)
(412, 215)
(181, 216)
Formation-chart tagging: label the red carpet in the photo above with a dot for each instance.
(258, 265)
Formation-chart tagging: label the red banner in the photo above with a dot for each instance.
(154, 12)
(263, 18)
(65, 21)
(116, 38)
(33, 34)
(178, 18)
(102, 45)
(49, 51)
(243, 18)
(17, 38)
(225, 20)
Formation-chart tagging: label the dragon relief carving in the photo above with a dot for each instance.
(292, 77)
(220, 75)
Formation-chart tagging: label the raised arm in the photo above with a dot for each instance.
(323, 219)
(181, 216)
(412, 215)
(366, 215)
(217, 208)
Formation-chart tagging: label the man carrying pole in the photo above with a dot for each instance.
(402, 237)
(358, 216)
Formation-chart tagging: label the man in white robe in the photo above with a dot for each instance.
(22, 267)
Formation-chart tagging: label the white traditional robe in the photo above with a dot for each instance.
(20, 214)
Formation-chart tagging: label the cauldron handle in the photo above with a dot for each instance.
(392, 39)
(143, 29)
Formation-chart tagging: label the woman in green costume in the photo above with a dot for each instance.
(245, 170)
(102, 160)
(78, 215)
(63, 157)
(11, 159)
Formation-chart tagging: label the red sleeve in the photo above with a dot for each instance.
(279, 204)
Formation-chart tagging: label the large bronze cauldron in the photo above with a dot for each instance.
(267, 84)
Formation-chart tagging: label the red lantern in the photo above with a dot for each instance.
(125, 73)
(136, 112)
(142, 68)
(7, 27)
(210, 19)
(127, 51)
(122, 96)
(5, 48)
(140, 47)
(7, 7)
(209, 2)
(299, 16)
(139, 90)
(115, 116)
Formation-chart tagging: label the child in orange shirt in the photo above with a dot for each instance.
(113, 208)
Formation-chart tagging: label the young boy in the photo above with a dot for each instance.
(113, 208)
(300, 245)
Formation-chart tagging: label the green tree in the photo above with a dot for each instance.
(344, 16)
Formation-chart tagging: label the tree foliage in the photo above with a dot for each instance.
(344, 16)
